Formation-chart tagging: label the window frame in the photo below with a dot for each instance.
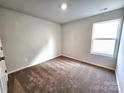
(116, 39)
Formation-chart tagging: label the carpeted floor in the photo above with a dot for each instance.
(62, 75)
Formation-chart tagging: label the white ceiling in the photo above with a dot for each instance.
(50, 9)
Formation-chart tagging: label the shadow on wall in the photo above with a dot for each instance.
(40, 51)
(30, 50)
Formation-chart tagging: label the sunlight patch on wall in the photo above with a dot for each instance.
(45, 53)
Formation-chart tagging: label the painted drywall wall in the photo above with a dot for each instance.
(77, 39)
(120, 64)
(28, 40)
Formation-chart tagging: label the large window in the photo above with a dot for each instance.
(104, 37)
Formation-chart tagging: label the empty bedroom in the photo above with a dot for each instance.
(61, 46)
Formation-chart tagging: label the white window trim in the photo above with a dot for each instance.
(116, 39)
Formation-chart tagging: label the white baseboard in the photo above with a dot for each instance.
(9, 72)
(117, 79)
(91, 63)
(65, 56)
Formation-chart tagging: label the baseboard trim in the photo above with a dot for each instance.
(112, 69)
(10, 72)
(117, 79)
(93, 64)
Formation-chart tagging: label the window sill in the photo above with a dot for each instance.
(101, 54)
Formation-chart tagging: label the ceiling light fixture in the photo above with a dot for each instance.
(64, 6)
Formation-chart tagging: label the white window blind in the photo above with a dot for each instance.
(104, 37)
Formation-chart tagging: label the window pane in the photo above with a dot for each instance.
(106, 29)
(103, 46)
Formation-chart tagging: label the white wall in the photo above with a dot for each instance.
(77, 39)
(120, 64)
(28, 40)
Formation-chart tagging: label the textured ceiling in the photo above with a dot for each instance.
(50, 9)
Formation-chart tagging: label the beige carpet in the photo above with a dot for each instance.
(63, 75)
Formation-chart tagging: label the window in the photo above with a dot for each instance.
(104, 37)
